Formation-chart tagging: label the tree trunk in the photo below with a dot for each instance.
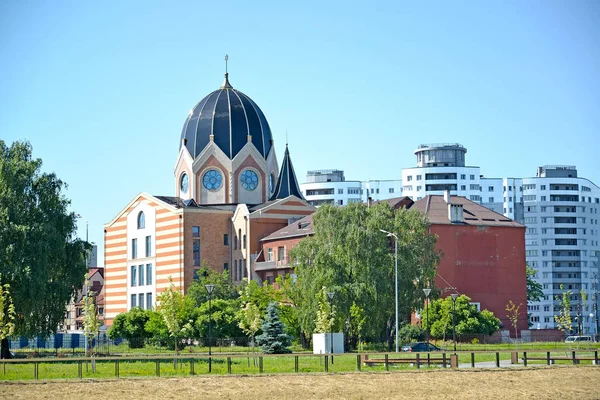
(5, 349)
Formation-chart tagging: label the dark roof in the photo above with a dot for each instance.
(397, 202)
(302, 227)
(178, 202)
(436, 209)
(287, 184)
(230, 116)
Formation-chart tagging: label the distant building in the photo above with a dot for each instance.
(92, 261)
(74, 314)
(331, 187)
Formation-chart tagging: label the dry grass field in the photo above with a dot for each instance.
(531, 383)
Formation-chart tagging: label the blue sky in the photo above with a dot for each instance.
(101, 89)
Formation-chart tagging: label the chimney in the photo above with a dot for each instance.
(455, 213)
(447, 196)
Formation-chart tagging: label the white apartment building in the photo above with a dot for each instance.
(561, 212)
(331, 187)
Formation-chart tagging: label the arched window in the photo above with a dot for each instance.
(239, 238)
(141, 220)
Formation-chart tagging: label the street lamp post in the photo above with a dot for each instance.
(396, 279)
(427, 292)
(86, 276)
(590, 328)
(209, 289)
(331, 295)
(454, 297)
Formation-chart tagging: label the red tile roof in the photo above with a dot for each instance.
(302, 227)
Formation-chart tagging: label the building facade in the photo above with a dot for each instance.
(561, 211)
(331, 187)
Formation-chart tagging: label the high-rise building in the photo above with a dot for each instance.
(561, 212)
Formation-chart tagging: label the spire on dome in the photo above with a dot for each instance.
(226, 84)
(287, 184)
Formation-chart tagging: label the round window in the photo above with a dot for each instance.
(249, 180)
(212, 180)
(185, 183)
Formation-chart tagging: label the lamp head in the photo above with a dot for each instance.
(427, 292)
(454, 296)
(209, 288)
(330, 295)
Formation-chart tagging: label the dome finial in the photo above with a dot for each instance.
(226, 84)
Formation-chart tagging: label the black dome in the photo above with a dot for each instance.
(231, 116)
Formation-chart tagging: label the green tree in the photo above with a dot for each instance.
(350, 255)
(411, 333)
(325, 313)
(131, 325)
(177, 312)
(156, 330)
(273, 340)
(249, 320)
(512, 313)
(91, 323)
(7, 316)
(224, 289)
(40, 257)
(467, 319)
(563, 319)
(534, 288)
(224, 319)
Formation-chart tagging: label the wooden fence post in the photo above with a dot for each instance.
(525, 358)
(296, 364)
(387, 365)
(473, 360)
(260, 364)
(158, 367)
(497, 359)
(229, 365)
(358, 363)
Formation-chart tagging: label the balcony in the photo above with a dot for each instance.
(271, 265)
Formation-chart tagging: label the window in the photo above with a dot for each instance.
(141, 300)
(463, 176)
(463, 187)
(133, 248)
(490, 188)
(472, 177)
(391, 190)
(141, 275)
(225, 239)
(269, 254)
(245, 270)
(419, 188)
(510, 188)
(100, 310)
(249, 180)
(148, 246)
(195, 231)
(244, 241)
(543, 198)
(235, 242)
(377, 191)
(418, 177)
(149, 301)
(133, 300)
(491, 200)
(148, 274)
(510, 210)
(134, 275)
(212, 180)
(372, 191)
(141, 220)
(280, 253)
(225, 266)
(409, 178)
(340, 191)
(196, 251)
(235, 270)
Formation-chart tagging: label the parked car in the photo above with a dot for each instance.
(421, 346)
(571, 339)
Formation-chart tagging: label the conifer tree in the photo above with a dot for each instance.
(273, 340)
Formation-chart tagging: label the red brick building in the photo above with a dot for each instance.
(483, 254)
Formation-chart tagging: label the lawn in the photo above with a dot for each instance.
(535, 382)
